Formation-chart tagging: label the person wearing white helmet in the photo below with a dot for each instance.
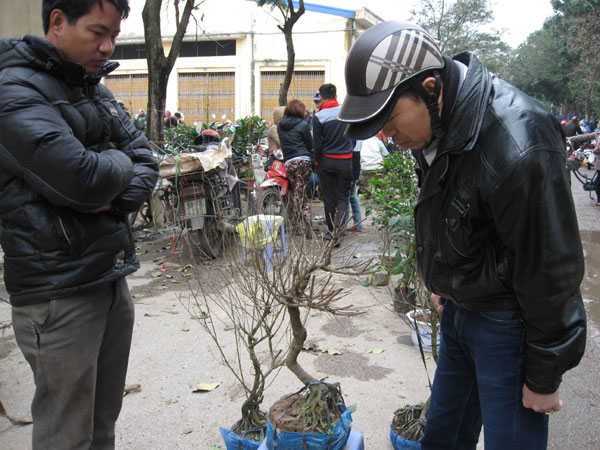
(496, 233)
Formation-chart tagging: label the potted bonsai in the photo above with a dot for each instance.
(315, 415)
(237, 305)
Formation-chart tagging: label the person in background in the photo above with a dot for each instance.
(573, 129)
(72, 167)
(169, 120)
(317, 101)
(372, 153)
(140, 119)
(333, 158)
(179, 118)
(497, 239)
(296, 144)
(272, 136)
(353, 201)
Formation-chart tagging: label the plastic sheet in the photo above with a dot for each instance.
(257, 231)
(235, 442)
(399, 443)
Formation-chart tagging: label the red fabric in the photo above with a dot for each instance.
(333, 103)
(342, 156)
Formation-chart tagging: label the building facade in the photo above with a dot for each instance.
(233, 58)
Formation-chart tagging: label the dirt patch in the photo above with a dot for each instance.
(350, 364)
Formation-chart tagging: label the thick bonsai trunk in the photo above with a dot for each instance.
(298, 339)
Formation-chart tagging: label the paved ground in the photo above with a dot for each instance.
(576, 426)
(171, 354)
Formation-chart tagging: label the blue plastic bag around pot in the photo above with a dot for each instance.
(235, 442)
(288, 440)
(400, 443)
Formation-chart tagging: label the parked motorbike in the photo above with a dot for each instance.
(208, 192)
(588, 150)
(272, 192)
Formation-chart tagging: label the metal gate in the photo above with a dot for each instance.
(130, 89)
(303, 87)
(207, 96)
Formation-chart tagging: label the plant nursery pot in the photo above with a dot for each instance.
(235, 442)
(355, 442)
(337, 439)
(424, 330)
(399, 443)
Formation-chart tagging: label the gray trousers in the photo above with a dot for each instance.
(78, 349)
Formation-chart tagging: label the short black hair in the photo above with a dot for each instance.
(74, 9)
(328, 91)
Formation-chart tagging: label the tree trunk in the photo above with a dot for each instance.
(289, 70)
(298, 339)
(286, 29)
(159, 65)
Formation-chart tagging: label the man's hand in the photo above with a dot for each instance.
(542, 403)
(437, 302)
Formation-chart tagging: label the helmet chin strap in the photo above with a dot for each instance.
(431, 100)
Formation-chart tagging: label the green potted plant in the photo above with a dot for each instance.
(394, 194)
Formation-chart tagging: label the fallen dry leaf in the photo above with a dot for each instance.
(129, 388)
(375, 351)
(206, 387)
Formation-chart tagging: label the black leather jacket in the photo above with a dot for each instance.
(66, 148)
(496, 225)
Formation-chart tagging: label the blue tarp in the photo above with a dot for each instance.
(336, 440)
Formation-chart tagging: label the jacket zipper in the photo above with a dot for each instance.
(65, 232)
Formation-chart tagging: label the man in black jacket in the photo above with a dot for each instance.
(72, 166)
(333, 158)
(573, 129)
(497, 239)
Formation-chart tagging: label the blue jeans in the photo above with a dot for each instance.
(354, 206)
(479, 380)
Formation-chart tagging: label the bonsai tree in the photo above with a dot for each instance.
(261, 305)
(257, 321)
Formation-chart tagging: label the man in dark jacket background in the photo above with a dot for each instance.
(497, 239)
(72, 166)
(333, 158)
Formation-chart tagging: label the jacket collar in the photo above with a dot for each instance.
(468, 112)
(42, 54)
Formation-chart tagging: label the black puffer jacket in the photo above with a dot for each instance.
(66, 148)
(496, 225)
(295, 138)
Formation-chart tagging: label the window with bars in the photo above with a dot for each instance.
(130, 89)
(303, 87)
(207, 96)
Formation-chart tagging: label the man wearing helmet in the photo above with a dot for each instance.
(495, 223)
